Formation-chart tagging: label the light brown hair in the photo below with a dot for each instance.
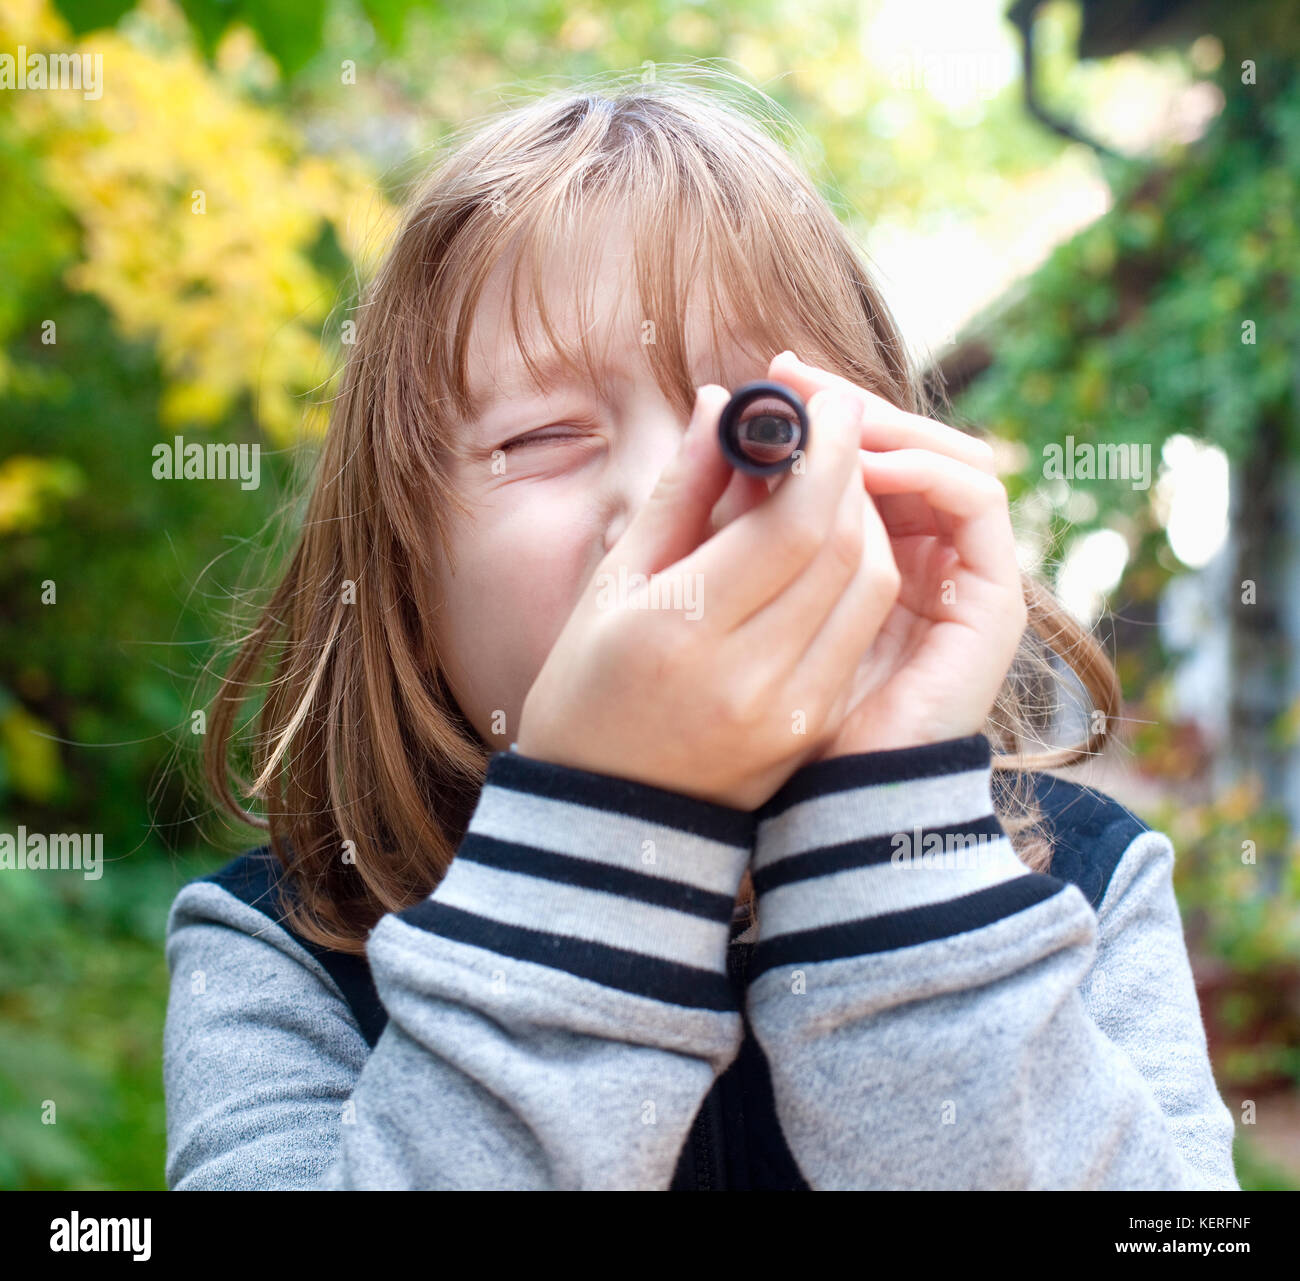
(358, 738)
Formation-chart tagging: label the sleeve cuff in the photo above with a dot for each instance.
(612, 880)
(883, 850)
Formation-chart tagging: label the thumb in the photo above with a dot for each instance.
(675, 518)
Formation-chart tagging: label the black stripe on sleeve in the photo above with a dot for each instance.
(864, 853)
(588, 874)
(907, 928)
(621, 796)
(635, 972)
(865, 769)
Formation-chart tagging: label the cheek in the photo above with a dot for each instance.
(519, 571)
(543, 553)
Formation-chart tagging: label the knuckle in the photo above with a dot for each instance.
(738, 704)
(984, 453)
(802, 537)
(838, 416)
(673, 654)
(886, 577)
(826, 401)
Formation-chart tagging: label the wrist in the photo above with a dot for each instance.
(968, 756)
(892, 737)
(860, 853)
(615, 881)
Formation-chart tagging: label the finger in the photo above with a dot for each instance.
(975, 501)
(756, 556)
(675, 519)
(905, 514)
(797, 613)
(928, 562)
(851, 626)
(884, 425)
(743, 494)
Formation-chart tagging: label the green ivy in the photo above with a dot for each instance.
(1140, 327)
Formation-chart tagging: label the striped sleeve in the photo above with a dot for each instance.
(916, 992)
(559, 1005)
(869, 853)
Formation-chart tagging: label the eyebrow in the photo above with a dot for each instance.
(551, 370)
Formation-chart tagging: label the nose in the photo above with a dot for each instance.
(614, 529)
(647, 444)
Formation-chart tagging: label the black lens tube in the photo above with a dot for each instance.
(765, 442)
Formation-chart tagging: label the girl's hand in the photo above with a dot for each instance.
(724, 706)
(934, 669)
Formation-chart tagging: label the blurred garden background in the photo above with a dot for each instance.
(1084, 214)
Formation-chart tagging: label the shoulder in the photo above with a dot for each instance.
(246, 895)
(243, 894)
(1091, 833)
(1125, 870)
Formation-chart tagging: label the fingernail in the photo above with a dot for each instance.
(693, 425)
(697, 410)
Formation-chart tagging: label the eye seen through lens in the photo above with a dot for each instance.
(762, 427)
(770, 433)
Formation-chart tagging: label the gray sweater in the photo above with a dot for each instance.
(928, 1013)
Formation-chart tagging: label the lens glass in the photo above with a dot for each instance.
(768, 431)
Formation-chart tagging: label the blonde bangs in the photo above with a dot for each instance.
(718, 221)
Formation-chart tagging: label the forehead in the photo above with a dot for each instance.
(593, 296)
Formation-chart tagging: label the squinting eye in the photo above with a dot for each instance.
(536, 439)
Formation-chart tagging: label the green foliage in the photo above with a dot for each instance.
(95, 690)
(36, 237)
(1255, 1172)
(123, 558)
(289, 30)
(1133, 330)
(93, 15)
(83, 983)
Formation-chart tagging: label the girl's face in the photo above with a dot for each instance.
(578, 462)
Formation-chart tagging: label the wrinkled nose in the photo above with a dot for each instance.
(614, 528)
(636, 465)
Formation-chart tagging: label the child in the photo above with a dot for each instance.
(695, 932)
